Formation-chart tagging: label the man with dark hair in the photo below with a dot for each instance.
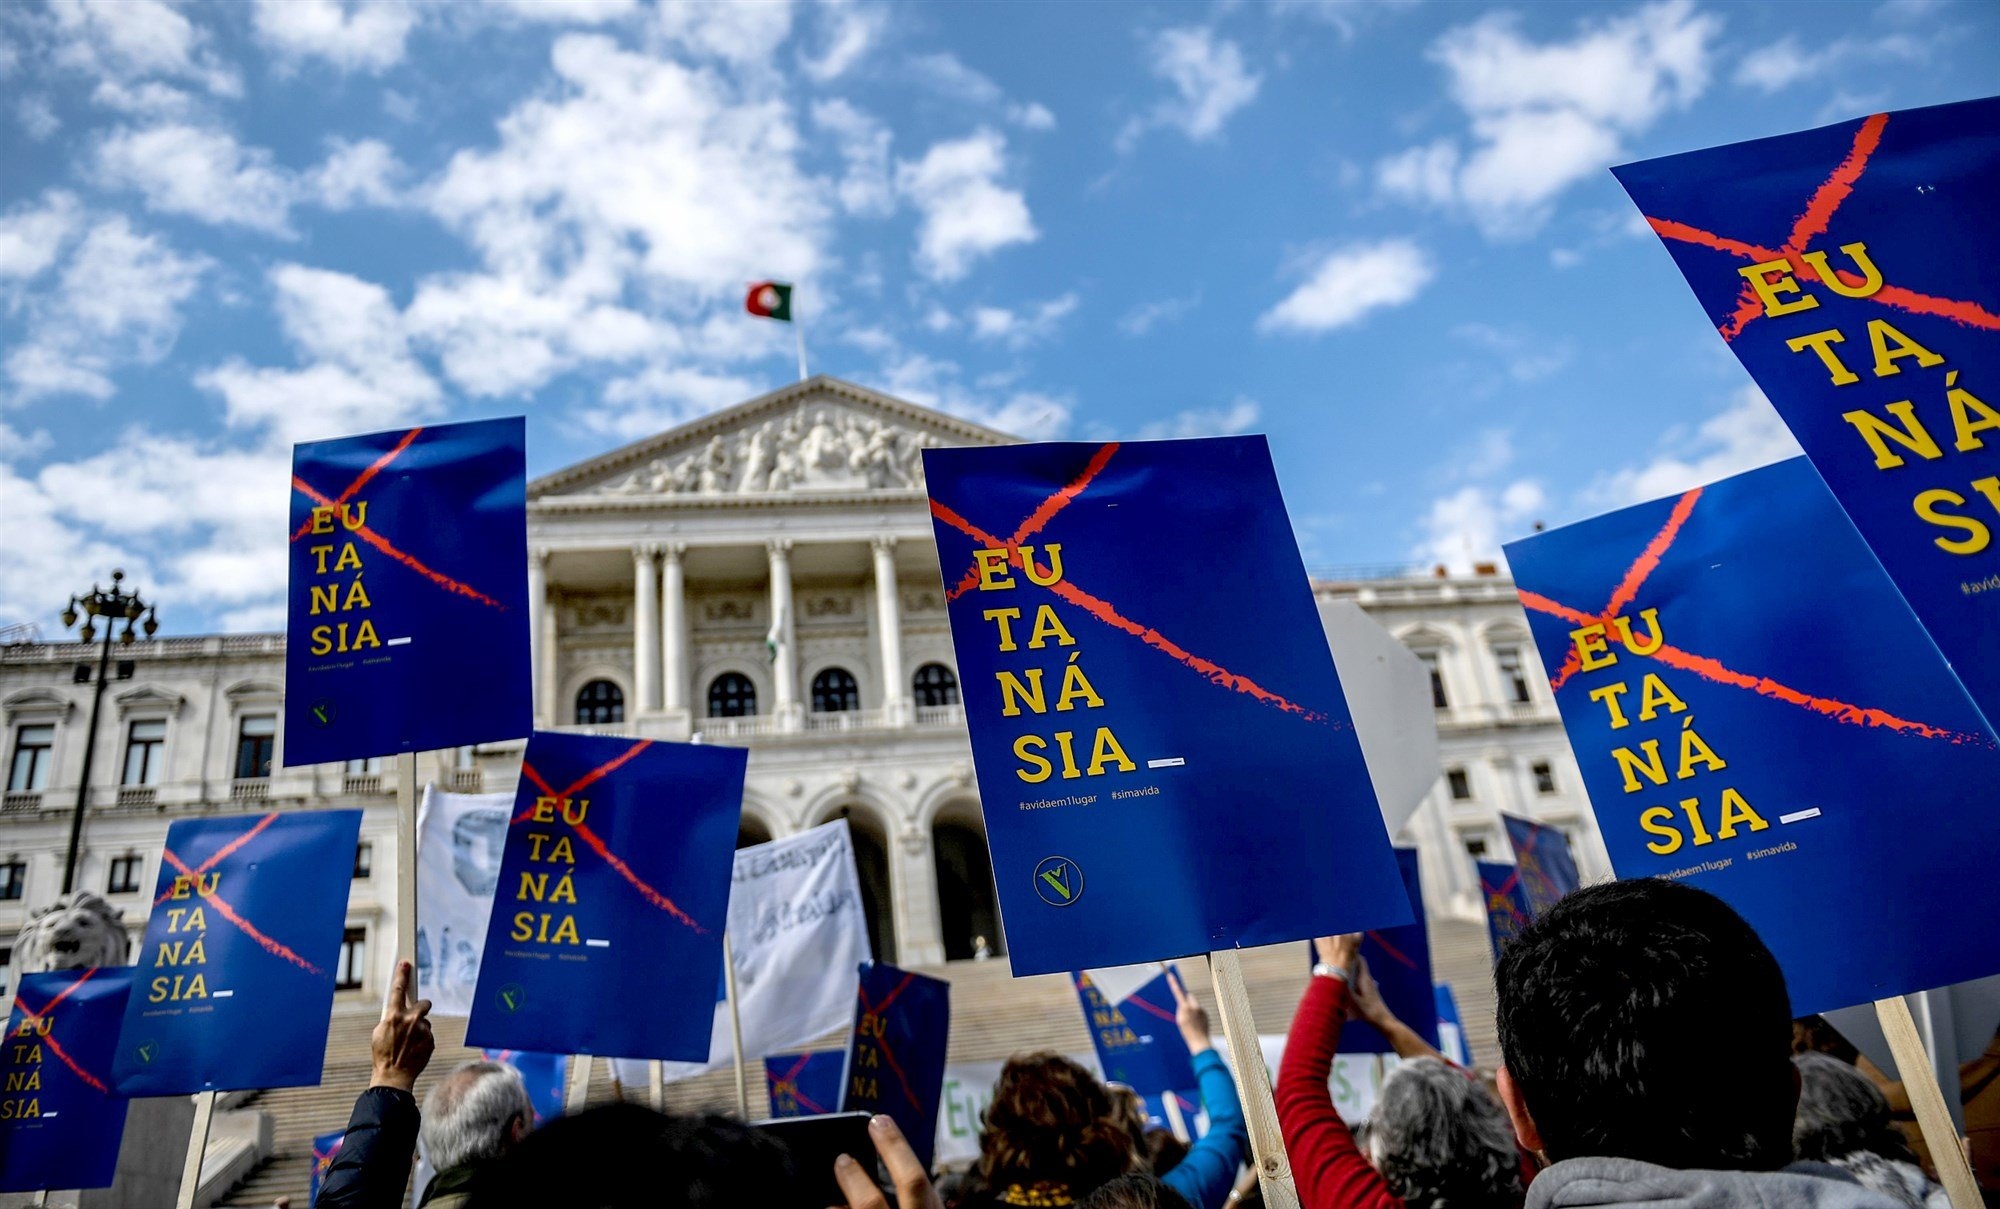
(1646, 1035)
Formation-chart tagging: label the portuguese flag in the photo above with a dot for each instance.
(770, 300)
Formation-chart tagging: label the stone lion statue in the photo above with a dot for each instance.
(76, 932)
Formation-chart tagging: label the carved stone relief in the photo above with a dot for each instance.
(823, 448)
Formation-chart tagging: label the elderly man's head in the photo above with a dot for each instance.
(475, 1115)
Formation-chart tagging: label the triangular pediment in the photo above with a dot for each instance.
(819, 436)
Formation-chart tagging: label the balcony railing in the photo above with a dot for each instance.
(250, 789)
(363, 783)
(847, 719)
(20, 803)
(467, 780)
(132, 797)
(940, 715)
(749, 726)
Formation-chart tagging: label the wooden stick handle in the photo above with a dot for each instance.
(1253, 1081)
(1913, 1066)
(204, 1116)
(656, 1084)
(579, 1083)
(406, 857)
(735, 1028)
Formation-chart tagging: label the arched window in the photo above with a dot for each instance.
(751, 830)
(731, 695)
(834, 692)
(935, 684)
(599, 702)
(968, 909)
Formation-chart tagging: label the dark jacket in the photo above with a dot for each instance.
(372, 1166)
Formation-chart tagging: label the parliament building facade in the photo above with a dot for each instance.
(764, 577)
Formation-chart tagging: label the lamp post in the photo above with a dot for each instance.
(110, 607)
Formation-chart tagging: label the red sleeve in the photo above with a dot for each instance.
(1331, 1171)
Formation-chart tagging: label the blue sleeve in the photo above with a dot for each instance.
(1208, 1173)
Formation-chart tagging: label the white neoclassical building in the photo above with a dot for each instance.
(764, 576)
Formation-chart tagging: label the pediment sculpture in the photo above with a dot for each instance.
(813, 449)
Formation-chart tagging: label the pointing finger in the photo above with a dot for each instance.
(399, 990)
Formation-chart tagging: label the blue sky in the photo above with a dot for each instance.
(1382, 233)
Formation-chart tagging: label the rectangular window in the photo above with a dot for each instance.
(372, 766)
(30, 768)
(143, 743)
(1545, 777)
(1438, 699)
(13, 879)
(353, 963)
(1475, 847)
(255, 738)
(364, 861)
(124, 874)
(1461, 785)
(1513, 677)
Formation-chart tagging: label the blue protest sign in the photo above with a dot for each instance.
(1451, 1029)
(1400, 960)
(895, 1059)
(1849, 268)
(1506, 902)
(542, 1073)
(324, 1147)
(1756, 710)
(234, 984)
(1138, 1040)
(614, 888)
(1152, 703)
(60, 1116)
(409, 565)
(1546, 865)
(804, 1085)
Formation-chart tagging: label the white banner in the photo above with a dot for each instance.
(459, 839)
(799, 937)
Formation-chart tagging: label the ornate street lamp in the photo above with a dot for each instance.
(110, 608)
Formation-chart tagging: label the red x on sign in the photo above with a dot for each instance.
(375, 539)
(1811, 223)
(1701, 665)
(32, 1019)
(788, 1084)
(221, 904)
(882, 1042)
(594, 842)
(1097, 607)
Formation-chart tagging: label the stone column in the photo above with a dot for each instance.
(673, 626)
(541, 661)
(889, 620)
(645, 629)
(785, 668)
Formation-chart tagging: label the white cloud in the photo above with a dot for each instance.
(1524, 357)
(967, 212)
(567, 12)
(117, 301)
(928, 382)
(660, 397)
(38, 117)
(1544, 116)
(945, 73)
(745, 34)
(1784, 63)
(33, 235)
(1147, 315)
(1345, 16)
(357, 174)
(126, 43)
(1745, 435)
(868, 187)
(1209, 79)
(1469, 525)
(201, 172)
(1241, 414)
(359, 372)
(44, 557)
(848, 31)
(1350, 282)
(362, 35)
(1018, 329)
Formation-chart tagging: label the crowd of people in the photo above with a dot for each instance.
(1648, 1058)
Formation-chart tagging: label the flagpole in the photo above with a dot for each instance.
(735, 1028)
(799, 333)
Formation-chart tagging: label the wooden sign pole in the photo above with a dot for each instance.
(1253, 1080)
(579, 1083)
(656, 1085)
(204, 1116)
(1913, 1066)
(735, 1028)
(406, 858)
